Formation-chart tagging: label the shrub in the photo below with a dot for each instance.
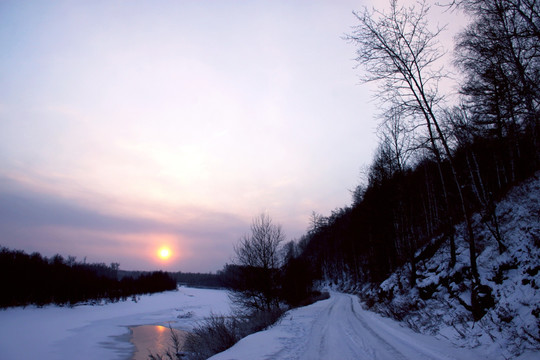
(215, 334)
(218, 333)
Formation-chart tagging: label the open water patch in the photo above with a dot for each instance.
(155, 339)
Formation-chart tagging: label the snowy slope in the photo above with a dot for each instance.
(511, 328)
(100, 332)
(338, 328)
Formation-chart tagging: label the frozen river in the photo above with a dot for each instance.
(102, 331)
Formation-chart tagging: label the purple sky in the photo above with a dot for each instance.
(129, 125)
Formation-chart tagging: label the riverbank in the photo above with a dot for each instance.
(101, 332)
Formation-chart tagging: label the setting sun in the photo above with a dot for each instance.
(164, 253)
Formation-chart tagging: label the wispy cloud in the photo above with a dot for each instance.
(50, 224)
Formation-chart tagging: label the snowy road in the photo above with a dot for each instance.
(338, 328)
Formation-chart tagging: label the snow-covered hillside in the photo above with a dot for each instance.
(338, 328)
(437, 305)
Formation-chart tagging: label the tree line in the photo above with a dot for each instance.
(436, 163)
(205, 280)
(34, 279)
(435, 166)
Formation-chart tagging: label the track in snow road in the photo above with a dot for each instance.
(338, 328)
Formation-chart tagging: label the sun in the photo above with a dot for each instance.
(164, 253)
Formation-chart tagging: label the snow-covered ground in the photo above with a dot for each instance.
(338, 328)
(100, 332)
(511, 327)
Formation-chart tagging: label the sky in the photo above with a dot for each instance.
(126, 126)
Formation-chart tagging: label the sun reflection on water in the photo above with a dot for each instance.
(152, 338)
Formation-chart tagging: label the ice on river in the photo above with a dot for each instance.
(101, 331)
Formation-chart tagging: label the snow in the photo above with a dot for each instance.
(339, 328)
(100, 331)
(336, 328)
(509, 329)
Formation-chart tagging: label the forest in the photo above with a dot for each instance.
(439, 161)
(442, 158)
(436, 164)
(38, 280)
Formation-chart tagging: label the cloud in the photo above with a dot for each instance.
(38, 210)
(130, 125)
(36, 221)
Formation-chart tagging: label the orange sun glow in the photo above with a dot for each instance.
(164, 253)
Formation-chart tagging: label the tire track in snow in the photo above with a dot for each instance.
(338, 332)
(338, 328)
(403, 346)
(392, 350)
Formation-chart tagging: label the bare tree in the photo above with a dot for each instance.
(461, 123)
(399, 139)
(499, 53)
(258, 260)
(260, 247)
(316, 222)
(400, 52)
(400, 135)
